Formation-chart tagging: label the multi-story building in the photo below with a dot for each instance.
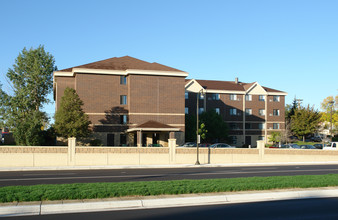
(134, 102)
(251, 111)
(128, 101)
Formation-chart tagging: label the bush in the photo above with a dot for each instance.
(95, 142)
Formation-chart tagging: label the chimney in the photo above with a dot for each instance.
(236, 80)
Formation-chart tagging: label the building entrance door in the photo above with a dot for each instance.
(248, 140)
(110, 140)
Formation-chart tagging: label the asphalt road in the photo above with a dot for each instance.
(288, 209)
(123, 175)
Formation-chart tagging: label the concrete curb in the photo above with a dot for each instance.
(146, 203)
(3, 169)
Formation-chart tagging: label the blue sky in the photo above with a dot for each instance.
(286, 45)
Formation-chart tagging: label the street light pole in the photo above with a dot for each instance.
(197, 123)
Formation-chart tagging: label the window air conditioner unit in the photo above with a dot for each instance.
(270, 114)
(270, 100)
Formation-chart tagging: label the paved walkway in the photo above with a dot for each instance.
(58, 207)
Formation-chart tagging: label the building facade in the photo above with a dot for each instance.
(131, 102)
(128, 101)
(251, 111)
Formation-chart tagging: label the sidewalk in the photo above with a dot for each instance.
(162, 166)
(129, 203)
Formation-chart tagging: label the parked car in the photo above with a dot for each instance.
(189, 144)
(155, 145)
(307, 146)
(293, 146)
(318, 146)
(221, 145)
(331, 146)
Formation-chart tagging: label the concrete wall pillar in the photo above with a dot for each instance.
(261, 148)
(139, 138)
(71, 151)
(172, 150)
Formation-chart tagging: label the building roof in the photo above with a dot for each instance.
(123, 63)
(153, 126)
(229, 85)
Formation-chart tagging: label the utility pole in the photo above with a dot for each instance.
(299, 101)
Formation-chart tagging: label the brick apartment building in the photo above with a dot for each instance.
(128, 101)
(133, 102)
(251, 110)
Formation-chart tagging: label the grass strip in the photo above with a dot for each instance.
(174, 187)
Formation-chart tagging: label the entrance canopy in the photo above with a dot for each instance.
(153, 133)
(153, 126)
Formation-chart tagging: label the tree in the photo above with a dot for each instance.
(31, 81)
(275, 137)
(326, 114)
(217, 129)
(190, 128)
(305, 121)
(70, 119)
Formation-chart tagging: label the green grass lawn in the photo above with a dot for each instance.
(110, 190)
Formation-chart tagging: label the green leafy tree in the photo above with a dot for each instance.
(202, 131)
(326, 114)
(275, 137)
(215, 125)
(31, 80)
(70, 119)
(305, 121)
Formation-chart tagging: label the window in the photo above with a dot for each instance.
(217, 110)
(248, 97)
(200, 110)
(186, 110)
(261, 112)
(233, 97)
(186, 95)
(276, 112)
(248, 111)
(276, 98)
(233, 111)
(233, 139)
(234, 126)
(261, 126)
(123, 119)
(261, 98)
(275, 125)
(215, 96)
(261, 138)
(247, 125)
(123, 80)
(123, 99)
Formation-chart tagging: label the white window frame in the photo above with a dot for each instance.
(261, 112)
(276, 126)
(233, 97)
(261, 98)
(248, 111)
(276, 112)
(261, 126)
(276, 98)
(248, 97)
(233, 111)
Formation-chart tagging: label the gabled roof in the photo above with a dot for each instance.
(123, 63)
(229, 86)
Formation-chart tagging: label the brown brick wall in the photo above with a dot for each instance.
(61, 84)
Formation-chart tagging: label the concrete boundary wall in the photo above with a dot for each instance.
(26, 156)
